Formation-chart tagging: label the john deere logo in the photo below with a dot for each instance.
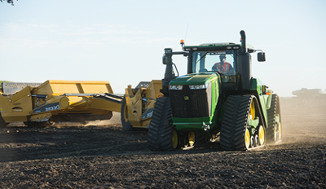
(186, 97)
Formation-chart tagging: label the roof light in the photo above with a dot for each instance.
(182, 43)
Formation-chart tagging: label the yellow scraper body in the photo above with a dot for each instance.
(59, 100)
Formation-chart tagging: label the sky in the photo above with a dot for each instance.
(123, 41)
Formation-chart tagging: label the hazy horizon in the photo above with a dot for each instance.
(123, 41)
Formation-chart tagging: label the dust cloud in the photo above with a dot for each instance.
(114, 121)
(304, 117)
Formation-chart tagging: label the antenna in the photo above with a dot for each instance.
(182, 42)
(186, 31)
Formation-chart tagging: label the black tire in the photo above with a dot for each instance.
(126, 125)
(273, 133)
(2, 122)
(160, 128)
(234, 123)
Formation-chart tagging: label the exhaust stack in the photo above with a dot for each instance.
(244, 64)
(243, 42)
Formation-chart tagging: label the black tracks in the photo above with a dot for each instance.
(234, 122)
(271, 113)
(160, 129)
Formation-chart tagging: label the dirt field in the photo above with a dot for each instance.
(104, 156)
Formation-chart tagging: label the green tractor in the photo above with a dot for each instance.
(218, 99)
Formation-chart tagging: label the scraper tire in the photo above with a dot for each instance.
(126, 126)
(2, 122)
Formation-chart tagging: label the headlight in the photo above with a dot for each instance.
(197, 87)
(176, 87)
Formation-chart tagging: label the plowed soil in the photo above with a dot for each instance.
(104, 156)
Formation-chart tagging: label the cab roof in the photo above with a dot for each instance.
(213, 47)
(217, 47)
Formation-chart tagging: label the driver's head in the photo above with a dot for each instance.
(222, 57)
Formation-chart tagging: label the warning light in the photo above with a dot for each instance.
(182, 42)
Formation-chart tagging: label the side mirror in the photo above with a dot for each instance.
(167, 56)
(164, 59)
(261, 57)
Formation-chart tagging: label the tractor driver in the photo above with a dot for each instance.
(222, 66)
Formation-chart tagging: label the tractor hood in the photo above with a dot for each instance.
(194, 79)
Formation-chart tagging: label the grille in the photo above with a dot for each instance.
(188, 103)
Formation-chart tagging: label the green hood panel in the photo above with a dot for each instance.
(194, 79)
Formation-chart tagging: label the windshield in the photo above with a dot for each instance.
(219, 61)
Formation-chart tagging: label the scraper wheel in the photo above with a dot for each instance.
(2, 122)
(126, 126)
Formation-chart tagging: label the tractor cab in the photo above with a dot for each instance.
(218, 58)
(228, 60)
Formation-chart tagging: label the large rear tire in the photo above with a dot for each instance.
(160, 130)
(274, 130)
(126, 125)
(235, 133)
